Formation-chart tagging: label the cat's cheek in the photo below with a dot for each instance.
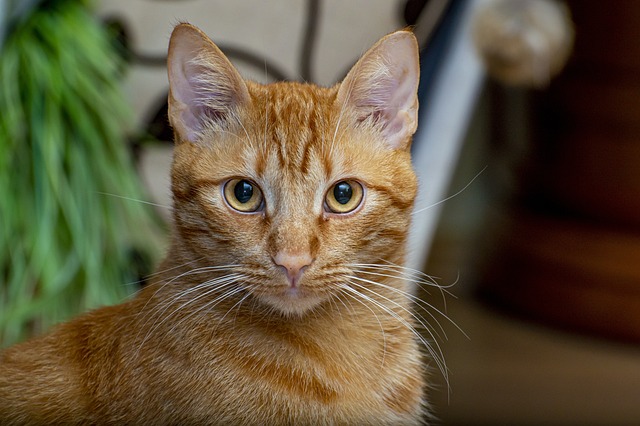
(205, 221)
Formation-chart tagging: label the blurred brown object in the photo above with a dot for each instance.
(572, 256)
(523, 42)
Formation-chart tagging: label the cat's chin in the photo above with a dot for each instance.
(292, 303)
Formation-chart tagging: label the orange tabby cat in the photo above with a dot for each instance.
(280, 300)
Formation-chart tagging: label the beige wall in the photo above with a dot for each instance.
(273, 29)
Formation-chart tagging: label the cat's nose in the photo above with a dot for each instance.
(293, 265)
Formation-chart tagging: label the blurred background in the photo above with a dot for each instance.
(527, 154)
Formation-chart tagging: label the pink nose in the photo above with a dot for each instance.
(293, 264)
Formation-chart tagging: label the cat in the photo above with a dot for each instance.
(282, 299)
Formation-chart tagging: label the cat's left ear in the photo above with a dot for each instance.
(381, 88)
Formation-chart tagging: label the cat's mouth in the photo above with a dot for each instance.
(292, 300)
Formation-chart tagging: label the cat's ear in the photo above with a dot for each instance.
(381, 88)
(204, 88)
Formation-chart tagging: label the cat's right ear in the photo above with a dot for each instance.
(205, 90)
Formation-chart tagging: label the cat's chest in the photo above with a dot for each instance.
(251, 387)
(323, 366)
(307, 371)
(241, 370)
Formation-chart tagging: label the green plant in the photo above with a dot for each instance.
(65, 245)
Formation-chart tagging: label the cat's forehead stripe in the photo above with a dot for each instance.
(297, 117)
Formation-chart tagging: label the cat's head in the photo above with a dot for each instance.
(294, 184)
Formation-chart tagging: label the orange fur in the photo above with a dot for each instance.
(249, 348)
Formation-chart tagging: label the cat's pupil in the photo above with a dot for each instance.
(243, 191)
(342, 192)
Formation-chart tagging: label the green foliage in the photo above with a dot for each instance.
(65, 246)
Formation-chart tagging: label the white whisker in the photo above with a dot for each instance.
(415, 212)
(411, 297)
(413, 275)
(214, 285)
(436, 353)
(154, 274)
(136, 200)
(400, 274)
(426, 306)
(384, 335)
(201, 270)
(229, 293)
(238, 303)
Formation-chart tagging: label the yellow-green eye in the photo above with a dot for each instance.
(344, 197)
(243, 195)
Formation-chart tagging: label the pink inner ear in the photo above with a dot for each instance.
(390, 102)
(394, 127)
(207, 101)
(183, 92)
(402, 108)
(204, 101)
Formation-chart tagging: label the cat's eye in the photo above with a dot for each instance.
(243, 195)
(344, 197)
